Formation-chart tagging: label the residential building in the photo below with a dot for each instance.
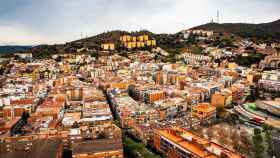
(180, 143)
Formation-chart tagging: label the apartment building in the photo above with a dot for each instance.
(141, 41)
(150, 96)
(204, 112)
(270, 81)
(98, 149)
(272, 107)
(18, 106)
(221, 99)
(180, 143)
(201, 33)
(96, 142)
(194, 59)
(43, 148)
(271, 61)
(131, 112)
(108, 46)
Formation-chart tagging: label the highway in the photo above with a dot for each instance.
(247, 114)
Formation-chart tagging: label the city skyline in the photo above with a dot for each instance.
(47, 22)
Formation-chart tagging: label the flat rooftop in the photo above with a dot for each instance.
(96, 146)
(39, 148)
(195, 144)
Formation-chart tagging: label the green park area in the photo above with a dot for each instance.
(251, 106)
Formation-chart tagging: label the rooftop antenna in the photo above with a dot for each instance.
(81, 35)
(218, 16)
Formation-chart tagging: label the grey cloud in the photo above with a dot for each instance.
(63, 20)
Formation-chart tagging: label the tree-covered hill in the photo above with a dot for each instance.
(13, 49)
(264, 31)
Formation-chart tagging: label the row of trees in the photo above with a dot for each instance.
(262, 141)
(137, 149)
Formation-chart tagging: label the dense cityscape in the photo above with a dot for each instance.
(125, 101)
(210, 91)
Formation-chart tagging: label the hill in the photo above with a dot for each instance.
(93, 42)
(173, 43)
(259, 32)
(111, 36)
(13, 49)
(163, 40)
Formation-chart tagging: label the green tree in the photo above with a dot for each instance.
(25, 115)
(137, 149)
(268, 139)
(258, 143)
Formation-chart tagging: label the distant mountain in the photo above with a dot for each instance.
(13, 49)
(264, 31)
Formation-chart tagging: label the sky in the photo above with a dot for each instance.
(32, 22)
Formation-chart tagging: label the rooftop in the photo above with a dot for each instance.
(98, 145)
(196, 144)
(37, 148)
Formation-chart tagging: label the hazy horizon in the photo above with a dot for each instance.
(29, 22)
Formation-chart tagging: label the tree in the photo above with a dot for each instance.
(232, 119)
(133, 148)
(267, 127)
(220, 112)
(268, 139)
(252, 58)
(25, 115)
(258, 143)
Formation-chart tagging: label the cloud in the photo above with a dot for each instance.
(15, 36)
(52, 21)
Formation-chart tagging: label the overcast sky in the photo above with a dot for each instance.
(31, 22)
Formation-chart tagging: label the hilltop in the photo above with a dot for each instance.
(173, 43)
(163, 40)
(13, 49)
(110, 36)
(264, 31)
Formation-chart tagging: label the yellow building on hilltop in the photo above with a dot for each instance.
(141, 41)
(133, 44)
(140, 38)
(125, 38)
(146, 37)
(154, 43)
(108, 46)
